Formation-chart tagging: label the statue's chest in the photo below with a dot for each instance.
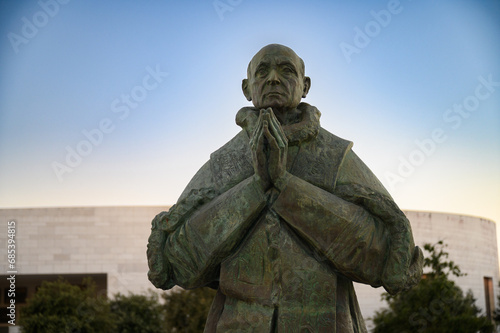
(314, 161)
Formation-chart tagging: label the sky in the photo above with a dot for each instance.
(121, 102)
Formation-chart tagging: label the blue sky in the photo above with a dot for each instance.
(161, 82)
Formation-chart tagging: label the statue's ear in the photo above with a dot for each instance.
(246, 90)
(307, 86)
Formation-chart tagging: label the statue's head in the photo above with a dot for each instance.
(276, 78)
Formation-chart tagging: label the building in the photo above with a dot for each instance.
(472, 245)
(109, 244)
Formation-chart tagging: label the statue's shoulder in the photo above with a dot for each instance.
(320, 159)
(239, 143)
(323, 139)
(330, 148)
(232, 163)
(333, 142)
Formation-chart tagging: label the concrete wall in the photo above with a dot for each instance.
(108, 240)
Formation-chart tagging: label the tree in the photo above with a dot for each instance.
(496, 313)
(187, 310)
(435, 305)
(138, 313)
(59, 306)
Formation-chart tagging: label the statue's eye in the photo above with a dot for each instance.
(261, 72)
(287, 70)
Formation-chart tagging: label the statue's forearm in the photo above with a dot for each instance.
(208, 236)
(354, 241)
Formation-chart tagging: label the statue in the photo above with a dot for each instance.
(283, 218)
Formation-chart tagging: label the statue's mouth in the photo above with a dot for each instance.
(273, 93)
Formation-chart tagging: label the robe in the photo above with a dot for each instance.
(285, 260)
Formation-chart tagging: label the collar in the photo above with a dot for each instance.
(305, 129)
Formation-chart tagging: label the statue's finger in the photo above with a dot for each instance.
(258, 126)
(275, 132)
(273, 144)
(279, 130)
(257, 134)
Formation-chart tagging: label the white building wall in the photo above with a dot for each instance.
(110, 240)
(472, 245)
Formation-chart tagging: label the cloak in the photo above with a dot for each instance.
(284, 260)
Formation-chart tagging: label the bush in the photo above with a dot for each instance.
(435, 305)
(59, 306)
(137, 313)
(187, 310)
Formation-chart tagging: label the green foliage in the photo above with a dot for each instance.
(65, 308)
(62, 307)
(496, 313)
(187, 310)
(437, 261)
(137, 313)
(435, 305)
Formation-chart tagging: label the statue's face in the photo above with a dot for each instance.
(276, 79)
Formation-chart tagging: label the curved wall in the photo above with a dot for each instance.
(111, 241)
(472, 245)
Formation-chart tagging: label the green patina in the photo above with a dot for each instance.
(283, 218)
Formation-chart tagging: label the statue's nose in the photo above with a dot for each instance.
(273, 78)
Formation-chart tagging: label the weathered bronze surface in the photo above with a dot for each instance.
(283, 218)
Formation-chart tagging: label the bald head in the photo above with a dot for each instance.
(273, 49)
(276, 78)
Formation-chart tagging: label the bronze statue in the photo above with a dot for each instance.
(283, 218)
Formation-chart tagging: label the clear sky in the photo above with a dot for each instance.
(120, 102)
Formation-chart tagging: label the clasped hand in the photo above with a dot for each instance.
(269, 147)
